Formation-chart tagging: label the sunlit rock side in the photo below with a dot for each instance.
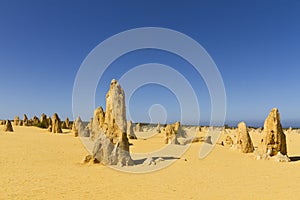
(244, 142)
(138, 127)
(78, 128)
(274, 140)
(16, 121)
(158, 128)
(170, 132)
(112, 146)
(130, 132)
(56, 124)
(97, 123)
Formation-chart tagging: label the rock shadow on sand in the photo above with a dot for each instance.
(294, 158)
(141, 161)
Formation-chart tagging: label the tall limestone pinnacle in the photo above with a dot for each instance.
(273, 143)
(115, 107)
(244, 142)
(112, 146)
(56, 124)
(8, 127)
(274, 140)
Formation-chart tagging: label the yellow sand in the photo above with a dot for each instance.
(35, 164)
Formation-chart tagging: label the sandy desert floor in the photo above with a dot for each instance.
(35, 164)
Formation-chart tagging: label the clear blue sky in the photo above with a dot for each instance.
(255, 44)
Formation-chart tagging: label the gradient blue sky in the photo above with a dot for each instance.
(255, 44)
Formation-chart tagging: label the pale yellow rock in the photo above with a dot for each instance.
(198, 130)
(68, 125)
(138, 127)
(35, 121)
(49, 120)
(56, 124)
(74, 127)
(79, 130)
(16, 121)
(274, 140)
(176, 126)
(158, 128)
(228, 141)
(97, 122)
(20, 123)
(112, 146)
(244, 142)
(25, 120)
(170, 132)
(8, 127)
(43, 121)
(130, 132)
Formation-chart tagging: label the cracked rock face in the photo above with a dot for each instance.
(274, 139)
(228, 141)
(244, 142)
(112, 146)
(97, 123)
(171, 133)
(56, 124)
(273, 142)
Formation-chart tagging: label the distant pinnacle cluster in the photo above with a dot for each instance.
(53, 125)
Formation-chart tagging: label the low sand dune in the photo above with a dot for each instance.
(36, 164)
